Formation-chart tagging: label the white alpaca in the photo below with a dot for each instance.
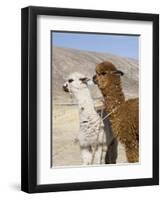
(91, 135)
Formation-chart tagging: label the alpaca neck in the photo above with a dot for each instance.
(84, 99)
(113, 96)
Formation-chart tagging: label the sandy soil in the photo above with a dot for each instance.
(65, 126)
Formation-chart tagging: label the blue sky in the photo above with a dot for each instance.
(122, 45)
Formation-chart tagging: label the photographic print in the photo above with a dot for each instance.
(90, 99)
(94, 99)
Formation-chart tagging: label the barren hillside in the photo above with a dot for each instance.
(65, 61)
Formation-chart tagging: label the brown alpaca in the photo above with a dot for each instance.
(124, 115)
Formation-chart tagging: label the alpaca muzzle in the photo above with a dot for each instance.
(65, 88)
(94, 79)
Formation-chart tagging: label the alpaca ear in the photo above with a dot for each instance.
(117, 72)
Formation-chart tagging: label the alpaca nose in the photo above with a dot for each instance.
(65, 88)
(94, 79)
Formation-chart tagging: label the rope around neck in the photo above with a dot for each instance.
(96, 147)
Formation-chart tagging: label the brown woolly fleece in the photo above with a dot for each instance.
(125, 114)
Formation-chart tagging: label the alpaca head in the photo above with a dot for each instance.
(106, 75)
(76, 82)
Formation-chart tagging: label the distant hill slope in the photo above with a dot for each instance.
(66, 61)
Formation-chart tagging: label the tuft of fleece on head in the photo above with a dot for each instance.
(76, 75)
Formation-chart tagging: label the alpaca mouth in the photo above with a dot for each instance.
(65, 88)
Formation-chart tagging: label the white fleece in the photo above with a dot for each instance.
(91, 135)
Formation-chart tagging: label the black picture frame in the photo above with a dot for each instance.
(29, 98)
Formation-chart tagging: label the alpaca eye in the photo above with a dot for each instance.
(103, 73)
(70, 80)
